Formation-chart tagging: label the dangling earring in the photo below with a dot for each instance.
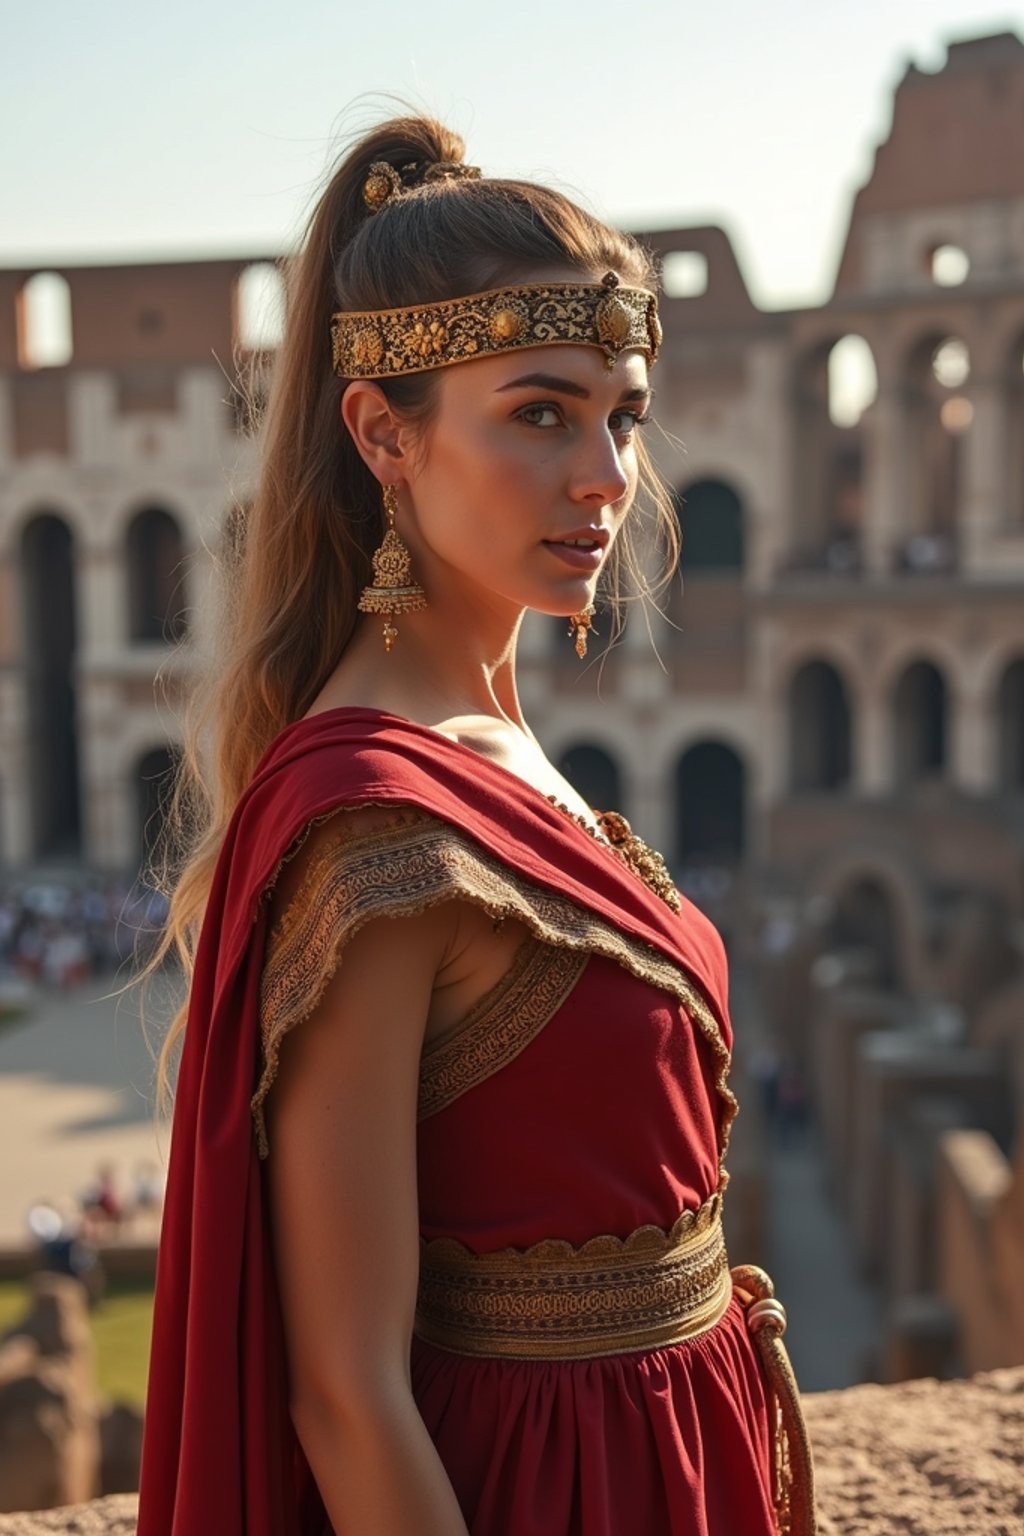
(393, 589)
(579, 624)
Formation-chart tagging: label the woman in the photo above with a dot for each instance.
(442, 1249)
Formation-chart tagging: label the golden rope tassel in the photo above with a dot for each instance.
(393, 590)
(793, 1468)
(579, 624)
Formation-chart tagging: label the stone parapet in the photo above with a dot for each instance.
(926, 1458)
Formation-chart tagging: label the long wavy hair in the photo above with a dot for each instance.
(294, 562)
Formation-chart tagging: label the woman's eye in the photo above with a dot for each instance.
(541, 415)
(625, 421)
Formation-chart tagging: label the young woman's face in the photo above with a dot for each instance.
(526, 451)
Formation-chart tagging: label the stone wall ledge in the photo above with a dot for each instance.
(926, 1458)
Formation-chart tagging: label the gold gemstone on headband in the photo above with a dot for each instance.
(613, 321)
(509, 323)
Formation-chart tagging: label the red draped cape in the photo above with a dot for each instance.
(220, 1455)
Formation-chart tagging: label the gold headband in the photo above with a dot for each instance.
(380, 343)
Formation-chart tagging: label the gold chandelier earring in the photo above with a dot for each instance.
(393, 589)
(579, 625)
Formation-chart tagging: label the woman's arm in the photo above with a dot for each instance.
(342, 1185)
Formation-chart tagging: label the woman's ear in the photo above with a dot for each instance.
(374, 428)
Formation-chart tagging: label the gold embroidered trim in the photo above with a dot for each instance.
(556, 1302)
(411, 864)
(500, 1025)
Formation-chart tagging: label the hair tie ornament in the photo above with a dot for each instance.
(381, 184)
(451, 170)
(382, 343)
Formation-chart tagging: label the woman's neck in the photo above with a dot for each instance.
(431, 675)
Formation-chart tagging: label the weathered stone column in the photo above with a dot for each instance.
(872, 746)
(885, 477)
(985, 491)
(973, 742)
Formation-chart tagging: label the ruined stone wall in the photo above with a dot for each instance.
(923, 1458)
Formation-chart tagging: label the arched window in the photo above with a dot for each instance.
(836, 383)
(156, 579)
(48, 647)
(260, 307)
(852, 380)
(44, 322)
(1011, 718)
(684, 274)
(948, 265)
(819, 729)
(865, 920)
(594, 774)
(154, 785)
(919, 723)
(938, 417)
(710, 804)
(711, 523)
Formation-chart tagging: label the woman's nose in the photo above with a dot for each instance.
(600, 476)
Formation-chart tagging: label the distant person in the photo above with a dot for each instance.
(526, 1041)
(65, 1247)
(102, 1199)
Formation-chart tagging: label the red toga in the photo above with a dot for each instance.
(587, 1101)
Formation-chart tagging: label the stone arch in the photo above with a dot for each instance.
(49, 641)
(863, 887)
(863, 919)
(154, 775)
(920, 723)
(154, 567)
(710, 804)
(820, 731)
(594, 773)
(711, 519)
(1011, 717)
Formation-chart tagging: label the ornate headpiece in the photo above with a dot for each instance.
(379, 343)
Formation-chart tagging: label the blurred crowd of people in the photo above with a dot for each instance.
(57, 934)
(69, 1234)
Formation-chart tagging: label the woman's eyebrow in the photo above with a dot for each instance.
(547, 381)
(559, 386)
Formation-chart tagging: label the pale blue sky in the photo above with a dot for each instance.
(204, 128)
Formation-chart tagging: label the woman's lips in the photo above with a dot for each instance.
(579, 557)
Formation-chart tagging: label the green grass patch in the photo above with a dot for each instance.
(121, 1326)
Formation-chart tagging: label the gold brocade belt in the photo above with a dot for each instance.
(613, 1296)
(557, 1302)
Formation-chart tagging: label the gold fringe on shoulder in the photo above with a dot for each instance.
(406, 863)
